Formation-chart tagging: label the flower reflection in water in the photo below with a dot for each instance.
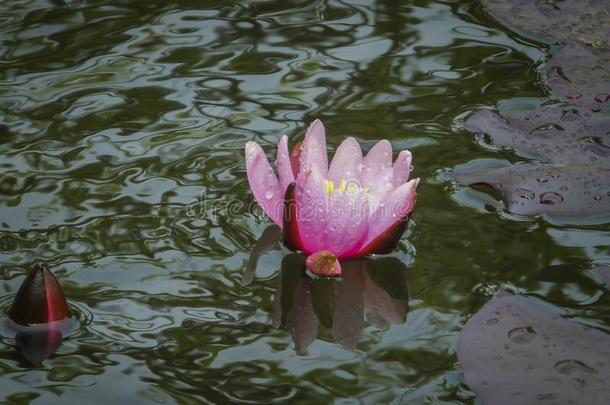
(372, 291)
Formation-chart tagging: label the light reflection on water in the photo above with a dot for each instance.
(118, 115)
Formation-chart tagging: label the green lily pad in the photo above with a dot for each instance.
(512, 352)
(554, 134)
(587, 21)
(543, 188)
(580, 75)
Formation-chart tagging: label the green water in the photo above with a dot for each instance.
(122, 128)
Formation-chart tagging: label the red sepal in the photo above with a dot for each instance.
(386, 242)
(292, 238)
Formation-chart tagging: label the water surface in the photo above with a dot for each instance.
(121, 139)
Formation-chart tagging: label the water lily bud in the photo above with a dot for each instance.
(39, 299)
(324, 263)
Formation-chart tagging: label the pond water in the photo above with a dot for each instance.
(122, 131)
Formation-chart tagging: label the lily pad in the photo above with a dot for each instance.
(544, 188)
(580, 75)
(587, 21)
(555, 134)
(512, 352)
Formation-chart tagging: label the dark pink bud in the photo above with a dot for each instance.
(39, 299)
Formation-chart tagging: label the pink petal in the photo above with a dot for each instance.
(347, 223)
(295, 158)
(312, 204)
(394, 210)
(324, 263)
(313, 153)
(347, 163)
(378, 165)
(284, 167)
(264, 183)
(402, 168)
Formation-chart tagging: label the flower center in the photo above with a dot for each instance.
(345, 187)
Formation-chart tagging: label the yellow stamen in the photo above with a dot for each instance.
(330, 187)
(342, 185)
(367, 190)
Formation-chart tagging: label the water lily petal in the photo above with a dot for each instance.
(284, 166)
(295, 158)
(313, 153)
(264, 183)
(312, 205)
(347, 223)
(378, 165)
(347, 163)
(388, 222)
(402, 168)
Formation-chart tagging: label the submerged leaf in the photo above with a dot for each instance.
(542, 188)
(556, 134)
(512, 352)
(580, 75)
(557, 20)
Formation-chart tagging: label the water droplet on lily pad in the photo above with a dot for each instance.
(522, 335)
(550, 198)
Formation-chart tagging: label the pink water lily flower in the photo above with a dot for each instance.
(357, 206)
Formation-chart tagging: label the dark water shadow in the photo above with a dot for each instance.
(370, 291)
